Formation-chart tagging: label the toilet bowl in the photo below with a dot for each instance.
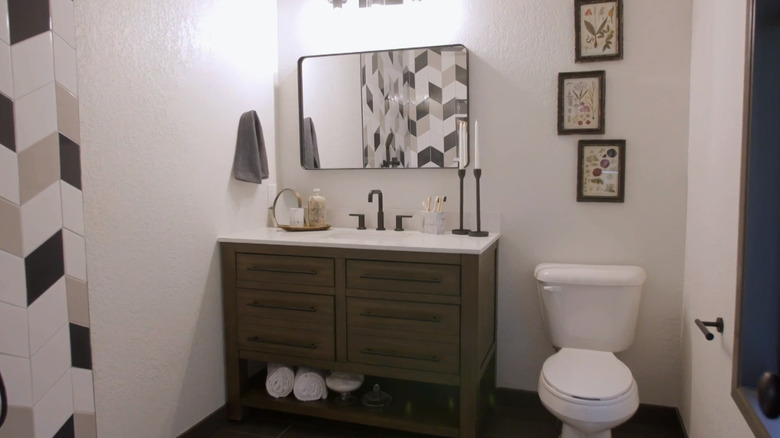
(589, 391)
(590, 312)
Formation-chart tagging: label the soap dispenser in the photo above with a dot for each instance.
(317, 209)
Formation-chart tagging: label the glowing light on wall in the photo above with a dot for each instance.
(369, 3)
(240, 33)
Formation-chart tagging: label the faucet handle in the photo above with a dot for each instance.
(361, 220)
(399, 221)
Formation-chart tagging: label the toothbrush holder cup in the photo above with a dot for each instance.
(432, 222)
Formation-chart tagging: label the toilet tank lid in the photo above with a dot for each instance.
(591, 275)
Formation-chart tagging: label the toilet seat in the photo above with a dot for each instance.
(587, 376)
(588, 417)
(589, 391)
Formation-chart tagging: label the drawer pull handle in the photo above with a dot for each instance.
(271, 306)
(390, 277)
(280, 271)
(397, 355)
(405, 318)
(286, 344)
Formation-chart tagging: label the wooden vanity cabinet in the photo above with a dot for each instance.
(422, 324)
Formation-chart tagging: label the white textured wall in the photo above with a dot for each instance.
(517, 48)
(162, 87)
(717, 80)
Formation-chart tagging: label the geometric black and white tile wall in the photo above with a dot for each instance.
(385, 104)
(411, 100)
(45, 347)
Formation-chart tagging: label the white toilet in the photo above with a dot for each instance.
(590, 312)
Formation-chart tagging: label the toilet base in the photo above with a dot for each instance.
(570, 432)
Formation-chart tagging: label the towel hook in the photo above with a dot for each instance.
(718, 324)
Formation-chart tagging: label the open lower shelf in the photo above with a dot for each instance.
(417, 407)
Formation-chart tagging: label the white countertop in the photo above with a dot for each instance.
(388, 240)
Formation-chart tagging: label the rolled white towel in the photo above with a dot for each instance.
(280, 380)
(309, 385)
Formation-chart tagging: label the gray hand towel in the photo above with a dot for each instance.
(310, 154)
(250, 163)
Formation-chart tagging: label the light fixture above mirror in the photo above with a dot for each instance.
(369, 3)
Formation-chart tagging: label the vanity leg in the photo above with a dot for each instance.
(469, 360)
(468, 412)
(235, 368)
(236, 379)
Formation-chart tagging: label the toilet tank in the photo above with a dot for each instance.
(592, 307)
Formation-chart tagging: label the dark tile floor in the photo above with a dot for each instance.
(522, 421)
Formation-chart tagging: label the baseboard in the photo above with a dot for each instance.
(646, 414)
(207, 426)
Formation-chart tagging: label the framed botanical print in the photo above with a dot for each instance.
(601, 170)
(598, 30)
(581, 98)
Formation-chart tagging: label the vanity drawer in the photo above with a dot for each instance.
(404, 277)
(285, 309)
(311, 271)
(427, 318)
(315, 344)
(401, 353)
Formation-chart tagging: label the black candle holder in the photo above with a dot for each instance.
(478, 232)
(461, 230)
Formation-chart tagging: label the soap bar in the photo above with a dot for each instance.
(316, 214)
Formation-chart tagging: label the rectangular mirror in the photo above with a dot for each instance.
(404, 108)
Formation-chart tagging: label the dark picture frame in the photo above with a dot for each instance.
(598, 30)
(581, 102)
(601, 170)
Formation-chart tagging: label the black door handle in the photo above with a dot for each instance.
(769, 394)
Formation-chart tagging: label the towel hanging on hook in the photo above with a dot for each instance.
(310, 154)
(250, 163)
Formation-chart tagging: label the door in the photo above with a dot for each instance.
(758, 337)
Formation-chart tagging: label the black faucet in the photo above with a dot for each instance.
(380, 214)
(390, 162)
